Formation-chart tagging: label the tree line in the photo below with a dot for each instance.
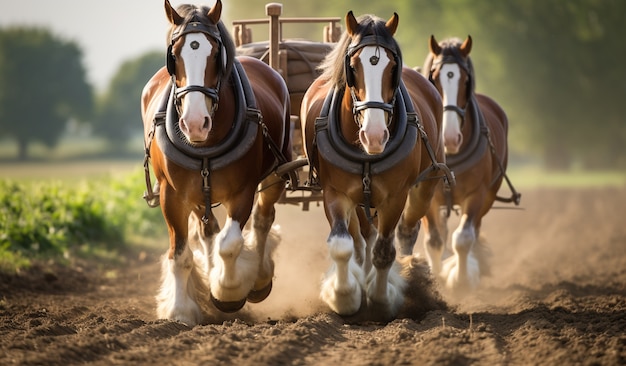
(555, 66)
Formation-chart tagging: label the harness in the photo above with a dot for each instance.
(240, 138)
(331, 145)
(480, 137)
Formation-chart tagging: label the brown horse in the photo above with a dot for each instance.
(215, 127)
(366, 122)
(475, 139)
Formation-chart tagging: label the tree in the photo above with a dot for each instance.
(42, 86)
(118, 115)
(561, 76)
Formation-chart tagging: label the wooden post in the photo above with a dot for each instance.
(274, 10)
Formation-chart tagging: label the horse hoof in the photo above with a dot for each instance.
(228, 306)
(259, 295)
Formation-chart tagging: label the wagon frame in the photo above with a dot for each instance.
(276, 53)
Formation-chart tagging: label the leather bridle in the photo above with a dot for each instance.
(357, 105)
(195, 25)
(454, 59)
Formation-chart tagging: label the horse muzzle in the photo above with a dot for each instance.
(196, 129)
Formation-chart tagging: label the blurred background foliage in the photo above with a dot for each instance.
(57, 220)
(555, 66)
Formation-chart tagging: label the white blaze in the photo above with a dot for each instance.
(195, 59)
(449, 76)
(374, 123)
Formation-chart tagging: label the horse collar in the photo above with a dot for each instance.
(477, 144)
(335, 149)
(238, 142)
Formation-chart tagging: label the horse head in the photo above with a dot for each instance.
(197, 60)
(451, 71)
(372, 71)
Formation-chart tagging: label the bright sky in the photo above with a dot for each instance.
(109, 31)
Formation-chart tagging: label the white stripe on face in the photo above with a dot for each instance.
(195, 112)
(449, 76)
(194, 53)
(373, 134)
(373, 74)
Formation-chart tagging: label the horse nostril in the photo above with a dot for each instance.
(363, 136)
(385, 137)
(206, 123)
(182, 125)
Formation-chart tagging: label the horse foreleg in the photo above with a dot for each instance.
(462, 270)
(342, 286)
(364, 234)
(417, 205)
(385, 285)
(234, 265)
(263, 216)
(183, 288)
(435, 236)
(234, 268)
(205, 228)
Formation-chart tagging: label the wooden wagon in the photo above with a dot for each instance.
(296, 60)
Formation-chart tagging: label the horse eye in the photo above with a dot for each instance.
(450, 74)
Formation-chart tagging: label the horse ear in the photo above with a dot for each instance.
(216, 12)
(392, 23)
(172, 15)
(434, 47)
(466, 47)
(351, 23)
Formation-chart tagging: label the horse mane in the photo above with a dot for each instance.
(188, 11)
(332, 66)
(450, 50)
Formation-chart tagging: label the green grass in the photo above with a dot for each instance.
(63, 212)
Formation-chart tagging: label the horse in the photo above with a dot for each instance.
(475, 131)
(365, 126)
(216, 126)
